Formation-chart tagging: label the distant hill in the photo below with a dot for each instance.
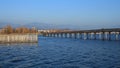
(37, 25)
(12, 24)
(53, 26)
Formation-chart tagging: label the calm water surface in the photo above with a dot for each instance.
(61, 53)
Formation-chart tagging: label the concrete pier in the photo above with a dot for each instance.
(18, 38)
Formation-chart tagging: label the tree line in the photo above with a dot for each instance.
(21, 30)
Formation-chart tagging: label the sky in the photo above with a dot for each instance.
(80, 13)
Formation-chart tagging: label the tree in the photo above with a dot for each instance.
(8, 29)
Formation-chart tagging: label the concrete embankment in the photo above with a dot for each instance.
(18, 38)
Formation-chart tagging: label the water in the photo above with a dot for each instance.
(61, 53)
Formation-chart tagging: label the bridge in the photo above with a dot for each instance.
(103, 34)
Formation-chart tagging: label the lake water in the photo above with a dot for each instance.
(61, 53)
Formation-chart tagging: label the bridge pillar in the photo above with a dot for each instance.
(109, 35)
(103, 35)
(60, 34)
(117, 35)
(80, 35)
(85, 36)
(49, 35)
(53, 34)
(106, 37)
(56, 34)
(99, 35)
(91, 35)
(70, 35)
(75, 35)
(95, 36)
(65, 35)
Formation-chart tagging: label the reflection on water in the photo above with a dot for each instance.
(7, 44)
(61, 53)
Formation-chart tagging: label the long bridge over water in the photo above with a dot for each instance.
(102, 34)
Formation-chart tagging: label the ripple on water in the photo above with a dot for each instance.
(16, 60)
(57, 53)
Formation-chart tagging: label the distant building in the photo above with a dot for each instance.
(34, 28)
(51, 30)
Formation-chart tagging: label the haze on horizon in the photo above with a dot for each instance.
(86, 14)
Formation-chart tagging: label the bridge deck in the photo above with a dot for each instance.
(88, 31)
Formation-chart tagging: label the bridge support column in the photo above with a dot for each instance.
(61, 35)
(85, 36)
(109, 35)
(80, 35)
(117, 35)
(65, 35)
(57, 35)
(75, 35)
(94, 36)
(53, 35)
(91, 35)
(70, 35)
(48, 35)
(103, 35)
(106, 36)
(100, 35)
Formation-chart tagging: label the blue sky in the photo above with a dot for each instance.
(80, 13)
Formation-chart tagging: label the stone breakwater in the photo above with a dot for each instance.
(18, 38)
